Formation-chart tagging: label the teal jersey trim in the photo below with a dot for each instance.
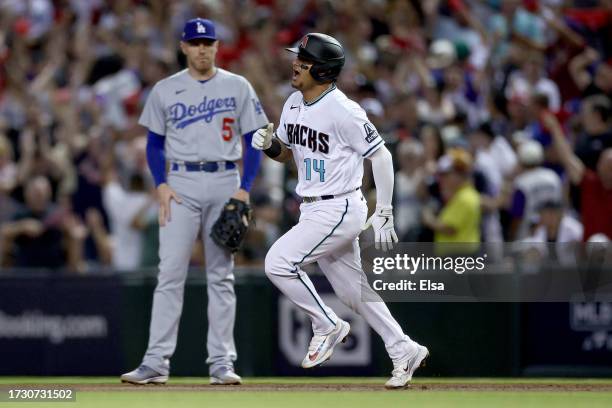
(296, 265)
(318, 98)
(316, 300)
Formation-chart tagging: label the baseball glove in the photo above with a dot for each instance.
(231, 227)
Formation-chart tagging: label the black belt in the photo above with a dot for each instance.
(209, 167)
(326, 197)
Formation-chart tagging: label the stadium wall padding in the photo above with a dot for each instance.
(54, 324)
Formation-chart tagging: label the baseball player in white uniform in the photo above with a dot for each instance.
(196, 119)
(328, 136)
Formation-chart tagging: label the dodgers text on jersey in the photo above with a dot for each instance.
(185, 115)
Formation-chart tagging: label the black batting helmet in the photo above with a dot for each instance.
(325, 52)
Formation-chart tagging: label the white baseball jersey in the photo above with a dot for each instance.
(203, 121)
(329, 138)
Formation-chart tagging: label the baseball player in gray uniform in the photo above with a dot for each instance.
(196, 119)
(328, 136)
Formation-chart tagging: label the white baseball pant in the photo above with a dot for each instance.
(328, 233)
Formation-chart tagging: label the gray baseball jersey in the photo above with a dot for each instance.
(203, 121)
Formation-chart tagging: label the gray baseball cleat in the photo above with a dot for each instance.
(225, 376)
(144, 375)
(404, 368)
(322, 346)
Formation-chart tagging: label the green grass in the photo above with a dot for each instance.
(324, 399)
(312, 380)
(340, 399)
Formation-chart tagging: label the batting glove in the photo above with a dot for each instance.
(382, 223)
(262, 138)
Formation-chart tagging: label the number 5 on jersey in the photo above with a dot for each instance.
(226, 130)
(316, 165)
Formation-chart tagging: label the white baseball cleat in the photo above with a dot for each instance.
(225, 376)
(144, 375)
(322, 346)
(404, 368)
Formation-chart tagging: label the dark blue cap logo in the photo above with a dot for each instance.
(199, 28)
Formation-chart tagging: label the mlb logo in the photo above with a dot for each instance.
(304, 42)
(370, 132)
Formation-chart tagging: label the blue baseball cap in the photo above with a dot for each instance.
(198, 28)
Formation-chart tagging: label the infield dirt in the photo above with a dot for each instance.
(350, 387)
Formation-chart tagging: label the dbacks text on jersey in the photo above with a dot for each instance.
(304, 136)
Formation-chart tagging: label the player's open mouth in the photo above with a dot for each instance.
(296, 73)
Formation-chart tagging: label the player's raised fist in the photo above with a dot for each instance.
(262, 138)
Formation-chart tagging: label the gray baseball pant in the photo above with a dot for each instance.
(203, 197)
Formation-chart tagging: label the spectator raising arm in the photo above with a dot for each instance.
(578, 67)
(571, 162)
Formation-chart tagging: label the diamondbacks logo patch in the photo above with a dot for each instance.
(370, 131)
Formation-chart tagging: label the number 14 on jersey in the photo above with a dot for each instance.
(316, 165)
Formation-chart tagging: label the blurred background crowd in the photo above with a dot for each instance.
(497, 112)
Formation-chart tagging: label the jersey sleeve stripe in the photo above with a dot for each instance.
(372, 149)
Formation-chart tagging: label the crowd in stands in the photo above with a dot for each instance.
(498, 114)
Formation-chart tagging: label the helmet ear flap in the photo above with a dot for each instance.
(324, 72)
(316, 72)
